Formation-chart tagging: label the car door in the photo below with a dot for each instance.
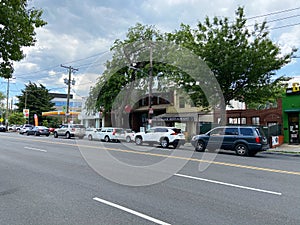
(62, 130)
(230, 137)
(216, 137)
(97, 134)
(149, 135)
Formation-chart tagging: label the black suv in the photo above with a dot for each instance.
(244, 140)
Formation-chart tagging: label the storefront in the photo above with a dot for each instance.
(291, 113)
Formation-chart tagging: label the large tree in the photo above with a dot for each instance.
(37, 99)
(17, 30)
(124, 69)
(244, 59)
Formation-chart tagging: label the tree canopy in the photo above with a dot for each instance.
(36, 98)
(17, 30)
(243, 60)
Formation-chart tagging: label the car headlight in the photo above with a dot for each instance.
(194, 138)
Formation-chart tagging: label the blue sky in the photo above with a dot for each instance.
(80, 33)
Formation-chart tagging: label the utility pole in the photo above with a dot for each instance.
(150, 110)
(7, 100)
(71, 69)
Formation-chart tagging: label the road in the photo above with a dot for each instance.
(48, 181)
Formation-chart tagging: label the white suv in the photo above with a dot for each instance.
(108, 134)
(164, 136)
(70, 130)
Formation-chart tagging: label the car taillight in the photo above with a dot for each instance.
(257, 139)
(114, 132)
(174, 134)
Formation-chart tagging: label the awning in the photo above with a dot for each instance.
(59, 113)
(292, 110)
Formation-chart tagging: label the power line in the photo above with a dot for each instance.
(273, 13)
(275, 20)
(289, 25)
(53, 67)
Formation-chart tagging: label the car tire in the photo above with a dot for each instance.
(128, 139)
(55, 135)
(200, 146)
(47, 135)
(68, 136)
(90, 137)
(176, 145)
(164, 142)
(36, 134)
(138, 140)
(241, 150)
(27, 133)
(106, 139)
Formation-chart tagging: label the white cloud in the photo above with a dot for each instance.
(80, 29)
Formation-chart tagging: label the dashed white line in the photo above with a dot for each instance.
(35, 149)
(228, 184)
(131, 211)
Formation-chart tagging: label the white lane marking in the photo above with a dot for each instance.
(131, 211)
(35, 149)
(228, 184)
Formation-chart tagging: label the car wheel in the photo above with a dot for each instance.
(55, 135)
(241, 150)
(138, 140)
(128, 139)
(47, 135)
(35, 134)
(27, 133)
(106, 139)
(176, 145)
(200, 146)
(164, 142)
(68, 136)
(90, 137)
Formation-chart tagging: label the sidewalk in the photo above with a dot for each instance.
(286, 148)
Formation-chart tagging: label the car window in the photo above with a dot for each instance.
(161, 129)
(231, 131)
(246, 131)
(78, 126)
(119, 131)
(217, 131)
(176, 130)
(260, 132)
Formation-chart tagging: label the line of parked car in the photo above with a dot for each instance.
(244, 140)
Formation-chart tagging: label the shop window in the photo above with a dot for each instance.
(255, 120)
(237, 120)
(181, 102)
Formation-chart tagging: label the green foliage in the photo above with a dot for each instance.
(243, 61)
(17, 30)
(2, 97)
(16, 118)
(37, 99)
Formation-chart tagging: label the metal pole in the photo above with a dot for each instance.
(150, 111)
(7, 97)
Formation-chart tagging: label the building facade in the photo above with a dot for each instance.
(291, 113)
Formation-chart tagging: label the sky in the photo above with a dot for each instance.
(80, 33)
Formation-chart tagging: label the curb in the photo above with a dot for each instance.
(283, 152)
